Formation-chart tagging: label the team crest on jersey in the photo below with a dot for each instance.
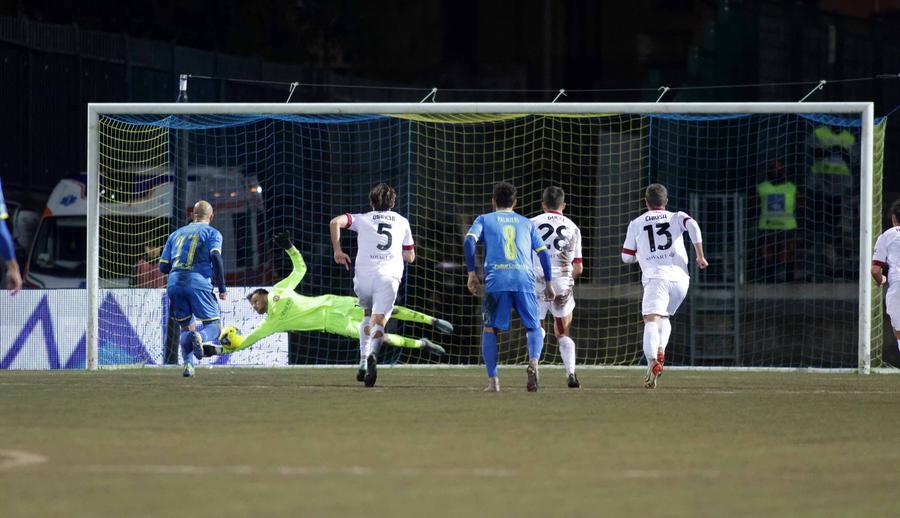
(276, 298)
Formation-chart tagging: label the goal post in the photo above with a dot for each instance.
(277, 165)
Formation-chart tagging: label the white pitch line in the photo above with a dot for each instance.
(16, 459)
(286, 471)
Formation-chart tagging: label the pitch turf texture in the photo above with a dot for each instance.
(313, 442)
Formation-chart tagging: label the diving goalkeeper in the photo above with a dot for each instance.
(287, 310)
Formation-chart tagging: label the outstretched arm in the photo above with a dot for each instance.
(239, 343)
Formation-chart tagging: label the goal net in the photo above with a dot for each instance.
(783, 193)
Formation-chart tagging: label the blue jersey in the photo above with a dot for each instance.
(188, 250)
(508, 239)
(7, 248)
(3, 214)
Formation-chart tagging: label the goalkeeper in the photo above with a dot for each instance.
(287, 310)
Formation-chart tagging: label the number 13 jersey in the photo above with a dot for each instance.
(381, 239)
(656, 237)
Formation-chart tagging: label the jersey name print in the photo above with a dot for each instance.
(563, 241)
(381, 238)
(656, 237)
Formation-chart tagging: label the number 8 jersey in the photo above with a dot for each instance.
(656, 238)
(509, 238)
(381, 238)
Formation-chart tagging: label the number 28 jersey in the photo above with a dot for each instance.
(563, 241)
(656, 237)
(381, 237)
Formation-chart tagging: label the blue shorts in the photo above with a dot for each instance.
(497, 306)
(187, 301)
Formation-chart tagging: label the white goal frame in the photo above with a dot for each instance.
(865, 110)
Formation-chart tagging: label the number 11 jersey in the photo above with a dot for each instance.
(656, 237)
(381, 238)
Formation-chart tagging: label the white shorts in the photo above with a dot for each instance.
(377, 293)
(562, 304)
(892, 304)
(662, 297)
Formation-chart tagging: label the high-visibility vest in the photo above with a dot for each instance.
(777, 205)
(836, 147)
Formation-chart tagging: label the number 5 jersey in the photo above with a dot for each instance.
(381, 238)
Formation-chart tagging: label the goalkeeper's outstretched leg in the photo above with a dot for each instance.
(348, 324)
(410, 315)
(231, 339)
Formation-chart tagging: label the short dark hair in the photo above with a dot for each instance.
(382, 197)
(657, 195)
(895, 209)
(257, 291)
(504, 195)
(554, 197)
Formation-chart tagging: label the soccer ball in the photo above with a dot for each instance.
(230, 336)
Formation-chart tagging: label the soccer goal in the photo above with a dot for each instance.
(788, 196)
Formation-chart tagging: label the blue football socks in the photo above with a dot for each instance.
(489, 350)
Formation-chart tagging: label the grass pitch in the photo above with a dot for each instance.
(313, 442)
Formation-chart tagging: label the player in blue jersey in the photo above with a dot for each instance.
(509, 239)
(193, 259)
(7, 251)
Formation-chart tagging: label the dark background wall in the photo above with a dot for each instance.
(57, 56)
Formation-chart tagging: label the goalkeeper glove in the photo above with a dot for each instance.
(283, 240)
(231, 338)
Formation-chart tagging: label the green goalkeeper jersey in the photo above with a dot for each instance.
(290, 311)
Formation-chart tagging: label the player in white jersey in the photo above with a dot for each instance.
(563, 241)
(384, 242)
(887, 255)
(655, 241)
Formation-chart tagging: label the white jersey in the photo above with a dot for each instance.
(656, 237)
(887, 253)
(381, 239)
(563, 241)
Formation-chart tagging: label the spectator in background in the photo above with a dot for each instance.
(832, 186)
(777, 225)
(146, 271)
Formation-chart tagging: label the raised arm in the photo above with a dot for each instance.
(337, 223)
(283, 240)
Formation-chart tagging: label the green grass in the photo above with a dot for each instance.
(312, 442)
